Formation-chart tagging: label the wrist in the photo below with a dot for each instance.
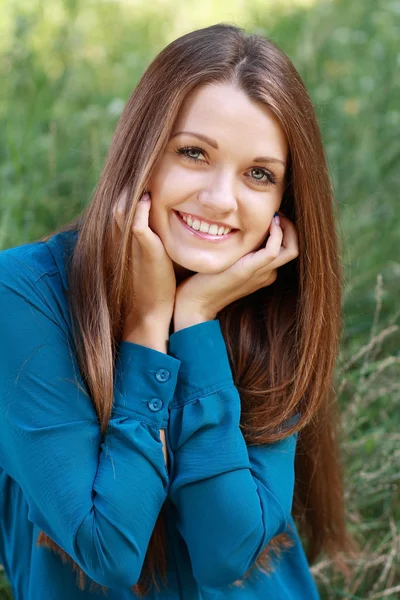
(150, 331)
(187, 318)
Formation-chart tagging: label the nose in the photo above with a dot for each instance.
(219, 198)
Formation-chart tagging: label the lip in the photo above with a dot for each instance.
(202, 235)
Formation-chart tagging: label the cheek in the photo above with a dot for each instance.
(257, 224)
(261, 239)
(166, 181)
(161, 187)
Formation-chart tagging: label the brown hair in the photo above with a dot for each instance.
(284, 367)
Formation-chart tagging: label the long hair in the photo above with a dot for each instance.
(282, 340)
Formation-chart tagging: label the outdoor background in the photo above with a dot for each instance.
(66, 70)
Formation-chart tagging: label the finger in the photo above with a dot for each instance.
(143, 237)
(290, 238)
(140, 224)
(271, 250)
(274, 241)
(289, 247)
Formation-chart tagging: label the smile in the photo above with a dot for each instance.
(201, 234)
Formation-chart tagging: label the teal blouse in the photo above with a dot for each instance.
(98, 497)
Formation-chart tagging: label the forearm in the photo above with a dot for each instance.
(231, 499)
(153, 333)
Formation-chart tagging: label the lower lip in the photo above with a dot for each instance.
(201, 234)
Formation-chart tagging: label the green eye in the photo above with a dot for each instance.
(184, 153)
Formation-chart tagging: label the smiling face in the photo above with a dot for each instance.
(219, 180)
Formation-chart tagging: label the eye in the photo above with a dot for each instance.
(186, 151)
(272, 180)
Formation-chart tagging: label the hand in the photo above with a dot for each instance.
(154, 281)
(201, 296)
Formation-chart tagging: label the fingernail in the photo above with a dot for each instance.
(145, 197)
(276, 218)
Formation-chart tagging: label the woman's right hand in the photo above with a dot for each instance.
(153, 275)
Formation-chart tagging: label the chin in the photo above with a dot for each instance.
(198, 266)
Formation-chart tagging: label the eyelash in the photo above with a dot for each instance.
(183, 152)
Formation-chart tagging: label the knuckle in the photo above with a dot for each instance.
(139, 230)
(272, 254)
(266, 278)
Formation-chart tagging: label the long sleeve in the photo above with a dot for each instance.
(231, 499)
(98, 497)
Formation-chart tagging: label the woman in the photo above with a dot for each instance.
(170, 424)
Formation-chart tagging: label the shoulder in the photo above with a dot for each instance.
(36, 271)
(33, 260)
(26, 262)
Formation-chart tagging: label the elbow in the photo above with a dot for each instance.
(102, 563)
(216, 575)
(215, 569)
(113, 572)
(117, 579)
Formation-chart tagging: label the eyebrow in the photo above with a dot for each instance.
(214, 144)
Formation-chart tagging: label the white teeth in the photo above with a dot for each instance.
(213, 229)
(196, 224)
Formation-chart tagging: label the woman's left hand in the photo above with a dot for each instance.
(200, 297)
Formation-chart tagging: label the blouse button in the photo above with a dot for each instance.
(155, 404)
(162, 375)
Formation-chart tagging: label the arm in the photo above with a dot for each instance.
(231, 499)
(97, 497)
(147, 334)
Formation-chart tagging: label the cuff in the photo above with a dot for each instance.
(144, 384)
(204, 361)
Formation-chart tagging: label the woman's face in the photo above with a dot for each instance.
(227, 185)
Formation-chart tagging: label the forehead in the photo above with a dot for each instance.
(225, 113)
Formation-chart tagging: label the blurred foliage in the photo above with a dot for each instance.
(68, 67)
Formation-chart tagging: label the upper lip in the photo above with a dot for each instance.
(205, 220)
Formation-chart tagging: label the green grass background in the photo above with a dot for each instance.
(67, 68)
